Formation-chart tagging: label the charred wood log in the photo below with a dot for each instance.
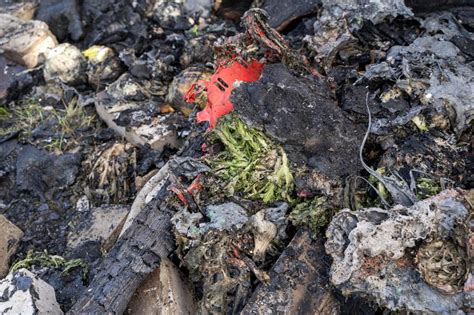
(298, 282)
(141, 247)
(137, 253)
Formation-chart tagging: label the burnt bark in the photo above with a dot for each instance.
(298, 282)
(140, 249)
(136, 254)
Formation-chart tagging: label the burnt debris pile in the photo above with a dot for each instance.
(236, 157)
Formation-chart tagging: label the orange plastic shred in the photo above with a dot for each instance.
(219, 87)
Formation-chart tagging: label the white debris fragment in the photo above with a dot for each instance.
(24, 293)
(369, 250)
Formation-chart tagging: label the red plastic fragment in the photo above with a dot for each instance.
(235, 252)
(219, 87)
(195, 185)
(180, 195)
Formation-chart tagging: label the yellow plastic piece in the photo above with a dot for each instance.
(97, 54)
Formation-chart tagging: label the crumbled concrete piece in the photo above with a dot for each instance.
(223, 217)
(436, 45)
(227, 216)
(186, 223)
(65, 63)
(24, 10)
(338, 19)
(164, 291)
(25, 41)
(104, 223)
(370, 250)
(24, 293)
(10, 237)
(373, 10)
(447, 86)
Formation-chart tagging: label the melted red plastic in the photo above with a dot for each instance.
(219, 87)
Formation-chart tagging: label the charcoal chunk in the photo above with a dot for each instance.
(300, 113)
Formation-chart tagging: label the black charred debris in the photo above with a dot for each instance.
(240, 157)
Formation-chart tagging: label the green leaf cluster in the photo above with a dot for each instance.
(251, 163)
(43, 259)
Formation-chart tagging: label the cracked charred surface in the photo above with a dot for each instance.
(138, 252)
(298, 281)
(300, 113)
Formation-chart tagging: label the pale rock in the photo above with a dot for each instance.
(66, 63)
(104, 224)
(10, 237)
(25, 42)
(198, 6)
(163, 292)
(24, 293)
(24, 10)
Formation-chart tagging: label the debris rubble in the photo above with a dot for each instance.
(236, 157)
(383, 253)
